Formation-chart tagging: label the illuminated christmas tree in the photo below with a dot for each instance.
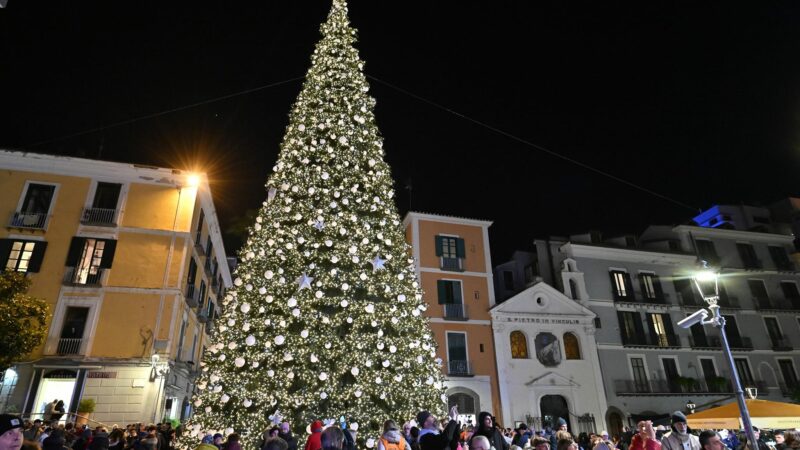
(325, 319)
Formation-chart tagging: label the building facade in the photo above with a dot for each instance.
(547, 361)
(131, 262)
(455, 272)
(640, 287)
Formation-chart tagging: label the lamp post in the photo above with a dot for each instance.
(707, 283)
(690, 406)
(160, 370)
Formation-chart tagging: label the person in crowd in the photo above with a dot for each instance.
(487, 429)
(332, 438)
(660, 431)
(760, 445)
(479, 442)
(275, 443)
(207, 443)
(780, 440)
(540, 443)
(583, 440)
(11, 435)
(561, 426)
(58, 411)
(32, 430)
(645, 439)
(116, 440)
(791, 440)
(522, 436)
(218, 440)
(55, 441)
(430, 438)
(285, 433)
(392, 439)
(414, 441)
(49, 409)
(679, 438)
(100, 440)
(150, 441)
(313, 442)
(83, 440)
(710, 440)
(567, 444)
(601, 442)
(232, 443)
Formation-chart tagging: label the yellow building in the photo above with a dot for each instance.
(455, 272)
(131, 262)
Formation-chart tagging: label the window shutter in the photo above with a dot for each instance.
(75, 251)
(439, 241)
(442, 288)
(667, 319)
(5, 252)
(657, 287)
(38, 255)
(614, 290)
(457, 293)
(642, 284)
(637, 325)
(651, 329)
(108, 254)
(622, 329)
(460, 250)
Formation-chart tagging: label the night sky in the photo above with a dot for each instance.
(696, 101)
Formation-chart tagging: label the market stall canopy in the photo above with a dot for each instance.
(763, 414)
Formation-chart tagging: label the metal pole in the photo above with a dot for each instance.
(719, 322)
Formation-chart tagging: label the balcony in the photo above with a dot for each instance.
(210, 327)
(99, 216)
(679, 386)
(457, 368)
(452, 264)
(455, 311)
(782, 344)
(712, 342)
(28, 221)
(740, 343)
(661, 341)
(777, 304)
(89, 277)
(69, 346)
(192, 296)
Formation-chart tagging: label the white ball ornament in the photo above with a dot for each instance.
(345, 286)
(327, 345)
(304, 334)
(231, 322)
(224, 398)
(355, 371)
(222, 357)
(279, 339)
(370, 443)
(250, 340)
(228, 431)
(238, 362)
(344, 303)
(385, 363)
(231, 345)
(369, 308)
(287, 356)
(213, 378)
(217, 388)
(363, 277)
(296, 312)
(334, 259)
(314, 358)
(246, 403)
(198, 402)
(238, 282)
(349, 320)
(415, 312)
(357, 394)
(323, 376)
(208, 409)
(269, 274)
(380, 345)
(292, 302)
(262, 290)
(290, 375)
(392, 349)
(269, 299)
(323, 395)
(245, 308)
(301, 127)
(401, 298)
(270, 373)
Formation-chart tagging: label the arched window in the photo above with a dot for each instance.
(465, 403)
(571, 346)
(519, 345)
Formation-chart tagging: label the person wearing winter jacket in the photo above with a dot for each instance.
(645, 439)
(522, 436)
(392, 439)
(55, 441)
(313, 442)
(679, 438)
(487, 429)
(430, 438)
(285, 433)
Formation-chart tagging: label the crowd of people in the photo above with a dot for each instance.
(425, 433)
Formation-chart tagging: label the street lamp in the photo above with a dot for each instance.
(690, 406)
(707, 283)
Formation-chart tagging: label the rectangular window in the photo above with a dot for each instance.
(452, 251)
(106, 196)
(788, 372)
(449, 292)
(709, 371)
(791, 294)
(661, 330)
(743, 367)
(198, 235)
(181, 337)
(508, 280)
(651, 286)
(37, 199)
(707, 252)
(21, 255)
(780, 258)
(671, 374)
(71, 338)
(630, 327)
(685, 290)
(639, 375)
(759, 292)
(748, 256)
(457, 354)
(87, 258)
(192, 273)
(194, 348)
(208, 247)
(774, 332)
(621, 285)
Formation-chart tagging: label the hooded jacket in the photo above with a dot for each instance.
(494, 436)
(314, 441)
(434, 440)
(674, 440)
(393, 437)
(640, 444)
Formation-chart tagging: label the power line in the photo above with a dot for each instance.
(536, 146)
(163, 113)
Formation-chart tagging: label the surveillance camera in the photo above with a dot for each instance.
(696, 317)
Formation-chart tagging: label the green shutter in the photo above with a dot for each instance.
(441, 287)
(439, 241)
(457, 293)
(108, 254)
(75, 251)
(460, 250)
(5, 251)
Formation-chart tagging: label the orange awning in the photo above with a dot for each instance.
(763, 414)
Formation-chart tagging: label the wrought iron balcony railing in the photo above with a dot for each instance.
(459, 368)
(99, 216)
(28, 221)
(69, 346)
(89, 277)
(455, 311)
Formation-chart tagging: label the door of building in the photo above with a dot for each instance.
(554, 407)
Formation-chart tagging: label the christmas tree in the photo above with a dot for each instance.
(325, 318)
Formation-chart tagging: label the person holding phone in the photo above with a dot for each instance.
(645, 438)
(430, 438)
